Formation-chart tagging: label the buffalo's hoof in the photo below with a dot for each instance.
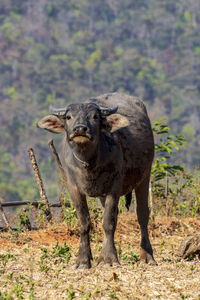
(146, 257)
(82, 265)
(108, 261)
(108, 256)
(84, 258)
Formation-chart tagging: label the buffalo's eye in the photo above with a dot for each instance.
(95, 117)
(68, 117)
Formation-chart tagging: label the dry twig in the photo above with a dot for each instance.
(62, 173)
(40, 183)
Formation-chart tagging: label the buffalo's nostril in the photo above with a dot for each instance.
(80, 129)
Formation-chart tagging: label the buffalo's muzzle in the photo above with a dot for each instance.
(80, 134)
(80, 129)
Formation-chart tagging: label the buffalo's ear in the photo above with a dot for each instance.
(51, 123)
(117, 121)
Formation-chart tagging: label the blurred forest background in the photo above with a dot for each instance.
(59, 52)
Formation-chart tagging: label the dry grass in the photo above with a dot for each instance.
(24, 274)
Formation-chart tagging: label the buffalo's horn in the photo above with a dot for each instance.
(57, 110)
(106, 111)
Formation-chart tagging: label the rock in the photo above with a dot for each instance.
(190, 246)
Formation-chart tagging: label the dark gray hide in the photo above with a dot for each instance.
(106, 155)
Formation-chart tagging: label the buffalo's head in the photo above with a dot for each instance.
(83, 122)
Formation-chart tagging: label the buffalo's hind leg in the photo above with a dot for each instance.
(142, 191)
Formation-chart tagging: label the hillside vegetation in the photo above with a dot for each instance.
(65, 51)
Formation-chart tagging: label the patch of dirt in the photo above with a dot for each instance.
(29, 271)
(59, 235)
(42, 237)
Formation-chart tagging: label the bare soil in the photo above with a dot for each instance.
(26, 274)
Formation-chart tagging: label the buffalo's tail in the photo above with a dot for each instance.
(128, 200)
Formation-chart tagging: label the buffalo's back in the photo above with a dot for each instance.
(136, 140)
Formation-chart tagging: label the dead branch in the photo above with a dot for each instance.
(61, 170)
(56, 156)
(40, 183)
(33, 203)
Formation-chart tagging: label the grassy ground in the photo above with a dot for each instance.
(39, 265)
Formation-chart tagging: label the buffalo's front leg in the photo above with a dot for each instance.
(108, 253)
(84, 255)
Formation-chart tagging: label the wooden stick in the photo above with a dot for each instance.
(40, 183)
(56, 156)
(62, 172)
(167, 194)
(34, 203)
(4, 215)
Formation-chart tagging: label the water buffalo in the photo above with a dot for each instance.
(107, 155)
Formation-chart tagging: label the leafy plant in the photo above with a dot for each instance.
(18, 289)
(113, 295)
(184, 296)
(70, 214)
(59, 254)
(71, 293)
(130, 258)
(63, 253)
(4, 258)
(164, 150)
(165, 147)
(24, 221)
(6, 296)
